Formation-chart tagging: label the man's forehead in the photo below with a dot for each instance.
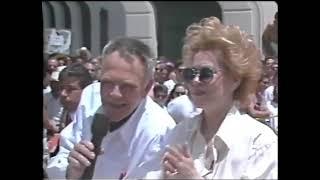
(52, 60)
(73, 81)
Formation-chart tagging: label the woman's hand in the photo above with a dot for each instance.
(177, 163)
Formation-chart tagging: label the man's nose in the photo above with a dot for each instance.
(63, 93)
(116, 91)
(195, 80)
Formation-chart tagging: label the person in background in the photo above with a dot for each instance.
(47, 124)
(89, 103)
(258, 103)
(64, 60)
(92, 70)
(61, 61)
(178, 90)
(160, 92)
(161, 75)
(52, 65)
(161, 72)
(270, 38)
(269, 92)
(269, 67)
(84, 54)
(46, 75)
(217, 142)
(170, 82)
(272, 106)
(178, 72)
(180, 108)
(97, 63)
(54, 107)
(77, 59)
(73, 79)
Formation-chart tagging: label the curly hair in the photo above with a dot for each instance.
(241, 57)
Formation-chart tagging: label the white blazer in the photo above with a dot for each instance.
(127, 149)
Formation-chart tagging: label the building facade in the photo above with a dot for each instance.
(161, 25)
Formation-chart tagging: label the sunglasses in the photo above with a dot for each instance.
(160, 96)
(179, 93)
(160, 69)
(205, 74)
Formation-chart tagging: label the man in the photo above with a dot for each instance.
(89, 103)
(84, 54)
(73, 80)
(54, 107)
(160, 92)
(135, 124)
(52, 65)
(92, 70)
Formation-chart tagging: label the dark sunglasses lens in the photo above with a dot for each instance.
(180, 93)
(188, 74)
(206, 74)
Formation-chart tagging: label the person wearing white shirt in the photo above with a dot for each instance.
(160, 92)
(273, 108)
(54, 107)
(89, 103)
(170, 85)
(128, 128)
(268, 94)
(216, 141)
(180, 108)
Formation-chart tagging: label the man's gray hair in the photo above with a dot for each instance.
(128, 47)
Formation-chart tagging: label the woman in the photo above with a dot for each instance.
(217, 142)
(258, 101)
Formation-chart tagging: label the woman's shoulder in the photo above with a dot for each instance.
(254, 128)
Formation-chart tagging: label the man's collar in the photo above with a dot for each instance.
(129, 127)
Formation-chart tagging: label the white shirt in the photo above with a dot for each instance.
(170, 85)
(130, 148)
(268, 94)
(180, 108)
(241, 149)
(46, 90)
(126, 149)
(89, 103)
(273, 121)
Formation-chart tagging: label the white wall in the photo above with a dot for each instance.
(268, 8)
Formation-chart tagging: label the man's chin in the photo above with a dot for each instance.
(114, 117)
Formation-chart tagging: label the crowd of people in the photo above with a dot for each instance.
(124, 114)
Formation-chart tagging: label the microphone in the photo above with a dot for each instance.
(99, 128)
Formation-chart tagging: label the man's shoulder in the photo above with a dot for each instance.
(156, 117)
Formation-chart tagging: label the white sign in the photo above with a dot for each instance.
(57, 41)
